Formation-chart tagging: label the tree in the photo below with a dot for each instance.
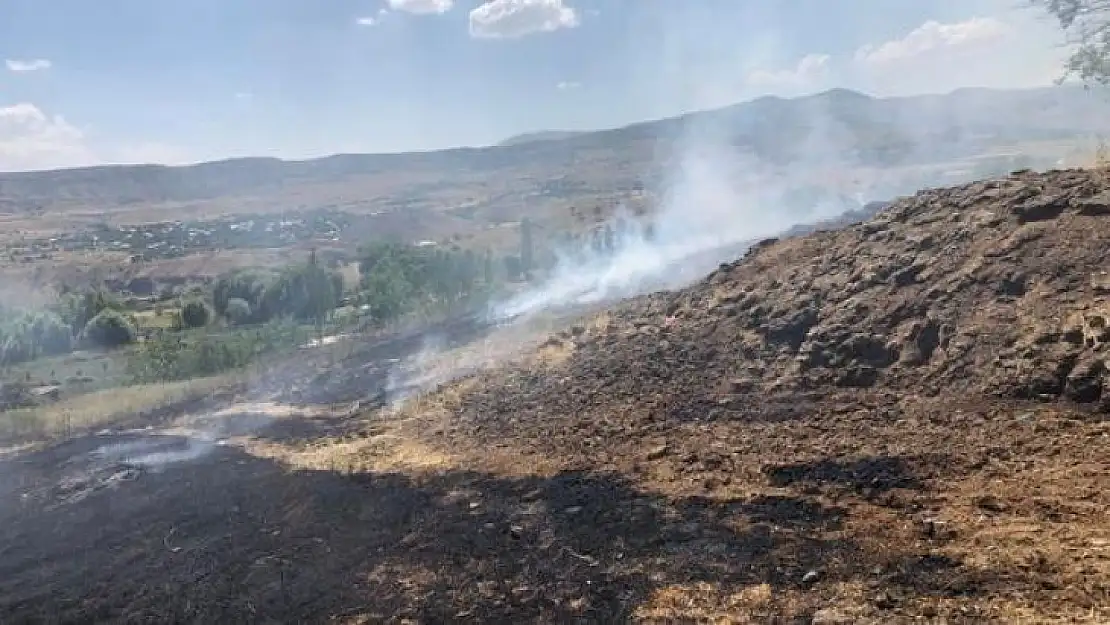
(512, 266)
(51, 335)
(238, 311)
(609, 239)
(194, 314)
(77, 309)
(248, 285)
(487, 267)
(527, 253)
(1087, 25)
(305, 292)
(28, 335)
(386, 292)
(108, 329)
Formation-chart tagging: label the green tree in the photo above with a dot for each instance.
(50, 333)
(77, 309)
(527, 251)
(386, 292)
(1087, 25)
(109, 328)
(238, 311)
(29, 335)
(512, 266)
(248, 285)
(305, 293)
(487, 267)
(195, 314)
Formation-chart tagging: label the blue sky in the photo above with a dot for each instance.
(160, 81)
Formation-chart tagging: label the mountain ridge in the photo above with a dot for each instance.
(874, 131)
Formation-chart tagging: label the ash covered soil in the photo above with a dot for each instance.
(900, 421)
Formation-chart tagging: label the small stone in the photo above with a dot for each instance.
(658, 452)
(990, 503)
(830, 616)
(811, 577)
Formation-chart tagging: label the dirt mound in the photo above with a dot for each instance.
(938, 373)
(997, 288)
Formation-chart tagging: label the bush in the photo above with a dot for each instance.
(184, 355)
(246, 284)
(108, 329)
(238, 311)
(195, 314)
(77, 309)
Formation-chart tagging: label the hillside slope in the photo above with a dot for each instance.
(937, 374)
(998, 288)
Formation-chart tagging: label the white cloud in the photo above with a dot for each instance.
(932, 37)
(372, 20)
(1014, 50)
(422, 7)
(31, 139)
(568, 85)
(508, 19)
(812, 70)
(33, 65)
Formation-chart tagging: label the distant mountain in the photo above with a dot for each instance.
(543, 135)
(838, 126)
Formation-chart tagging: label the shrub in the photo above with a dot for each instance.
(109, 328)
(245, 284)
(77, 309)
(184, 355)
(238, 311)
(195, 314)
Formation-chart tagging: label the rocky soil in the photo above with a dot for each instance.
(994, 289)
(946, 359)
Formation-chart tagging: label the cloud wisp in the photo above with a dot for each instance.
(27, 66)
(512, 19)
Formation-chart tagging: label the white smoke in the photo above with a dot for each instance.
(715, 202)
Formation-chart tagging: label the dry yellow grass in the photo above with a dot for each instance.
(392, 441)
(705, 603)
(407, 438)
(104, 407)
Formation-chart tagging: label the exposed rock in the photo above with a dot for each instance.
(1086, 381)
(1095, 206)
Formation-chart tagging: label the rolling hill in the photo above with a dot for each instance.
(837, 124)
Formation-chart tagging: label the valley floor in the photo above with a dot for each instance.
(846, 508)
